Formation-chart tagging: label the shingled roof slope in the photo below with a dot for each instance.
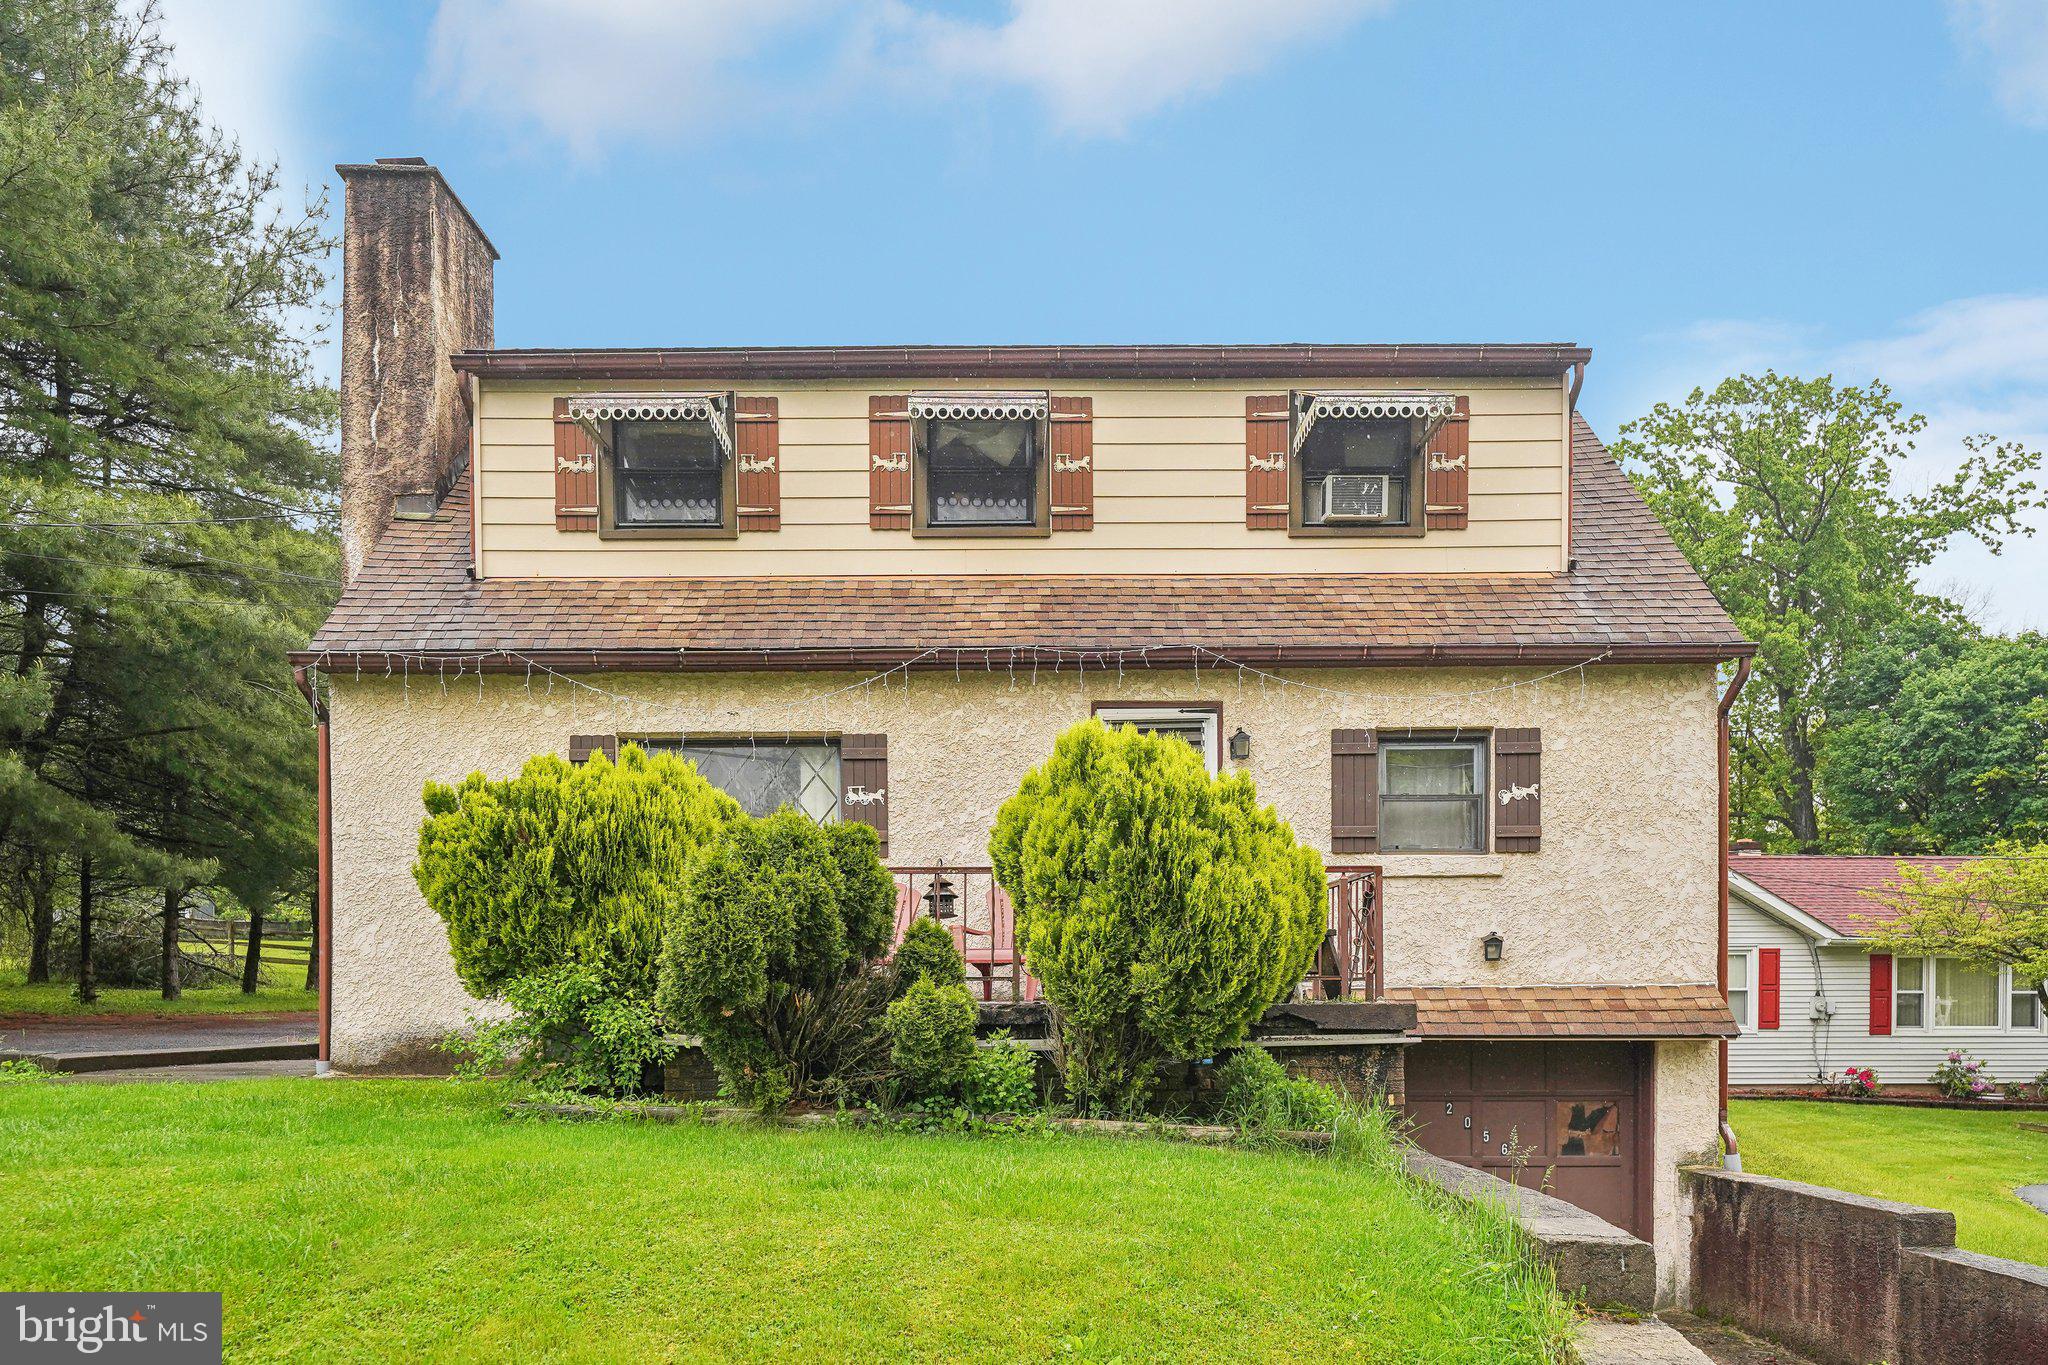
(1834, 889)
(1631, 596)
(1591, 1011)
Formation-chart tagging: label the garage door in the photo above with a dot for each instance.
(1571, 1119)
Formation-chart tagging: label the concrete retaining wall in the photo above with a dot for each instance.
(1844, 1278)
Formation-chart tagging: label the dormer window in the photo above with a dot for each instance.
(1357, 466)
(665, 463)
(981, 467)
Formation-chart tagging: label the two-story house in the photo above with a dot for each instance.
(1403, 587)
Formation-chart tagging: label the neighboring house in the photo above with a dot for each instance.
(1812, 1001)
(1403, 587)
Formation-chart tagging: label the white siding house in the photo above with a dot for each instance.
(1796, 953)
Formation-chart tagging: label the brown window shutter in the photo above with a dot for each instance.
(1447, 472)
(864, 782)
(1073, 464)
(1354, 791)
(1265, 462)
(1517, 794)
(575, 473)
(581, 747)
(757, 444)
(889, 458)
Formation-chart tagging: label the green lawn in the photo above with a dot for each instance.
(1965, 1161)
(283, 989)
(409, 1220)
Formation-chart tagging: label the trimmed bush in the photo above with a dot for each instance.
(565, 864)
(1162, 909)
(573, 1029)
(1258, 1095)
(931, 1037)
(1002, 1078)
(928, 953)
(770, 958)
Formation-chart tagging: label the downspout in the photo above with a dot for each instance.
(1733, 1159)
(323, 895)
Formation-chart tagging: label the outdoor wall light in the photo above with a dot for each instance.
(940, 898)
(1240, 745)
(1492, 945)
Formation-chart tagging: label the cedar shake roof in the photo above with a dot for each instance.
(1831, 889)
(1631, 597)
(1567, 1011)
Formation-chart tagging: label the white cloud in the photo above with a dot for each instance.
(246, 60)
(1971, 366)
(2010, 38)
(1100, 65)
(584, 72)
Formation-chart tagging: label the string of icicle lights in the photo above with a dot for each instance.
(1023, 663)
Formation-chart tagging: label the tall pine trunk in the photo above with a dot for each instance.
(88, 988)
(313, 948)
(252, 959)
(42, 922)
(174, 904)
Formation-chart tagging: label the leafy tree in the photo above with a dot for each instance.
(164, 478)
(1946, 754)
(1991, 913)
(1780, 492)
(1162, 909)
(565, 864)
(772, 958)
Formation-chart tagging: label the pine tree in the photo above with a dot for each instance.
(165, 481)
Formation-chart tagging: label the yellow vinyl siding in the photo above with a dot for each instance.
(1169, 492)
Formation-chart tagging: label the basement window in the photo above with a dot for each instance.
(665, 465)
(980, 465)
(1357, 465)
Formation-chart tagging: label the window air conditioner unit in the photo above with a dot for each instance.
(1355, 497)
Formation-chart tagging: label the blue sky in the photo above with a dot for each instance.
(1859, 189)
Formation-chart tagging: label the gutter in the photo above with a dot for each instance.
(323, 896)
(989, 658)
(1733, 1158)
(1022, 362)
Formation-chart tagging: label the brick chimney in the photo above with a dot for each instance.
(1746, 848)
(415, 286)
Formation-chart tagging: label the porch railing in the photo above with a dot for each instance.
(983, 923)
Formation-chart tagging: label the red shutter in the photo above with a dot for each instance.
(1517, 791)
(575, 473)
(864, 782)
(1265, 463)
(1880, 994)
(1447, 472)
(758, 448)
(1767, 988)
(582, 747)
(1354, 791)
(889, 463)
(1073, 464)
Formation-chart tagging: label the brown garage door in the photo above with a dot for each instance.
(1572, 1119)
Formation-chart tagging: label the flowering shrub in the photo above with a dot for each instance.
(1855, 1082)
(1962, 1077)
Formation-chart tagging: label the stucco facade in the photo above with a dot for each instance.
(1622, 890)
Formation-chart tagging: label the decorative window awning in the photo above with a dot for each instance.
(594, 410)
(1427, 410)
(980, 407)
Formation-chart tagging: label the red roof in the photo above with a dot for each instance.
(1831, 889)
(1631, 596)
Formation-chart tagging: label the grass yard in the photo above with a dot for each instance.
(1965, 1161)
(283, 989)
(409, 1219)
